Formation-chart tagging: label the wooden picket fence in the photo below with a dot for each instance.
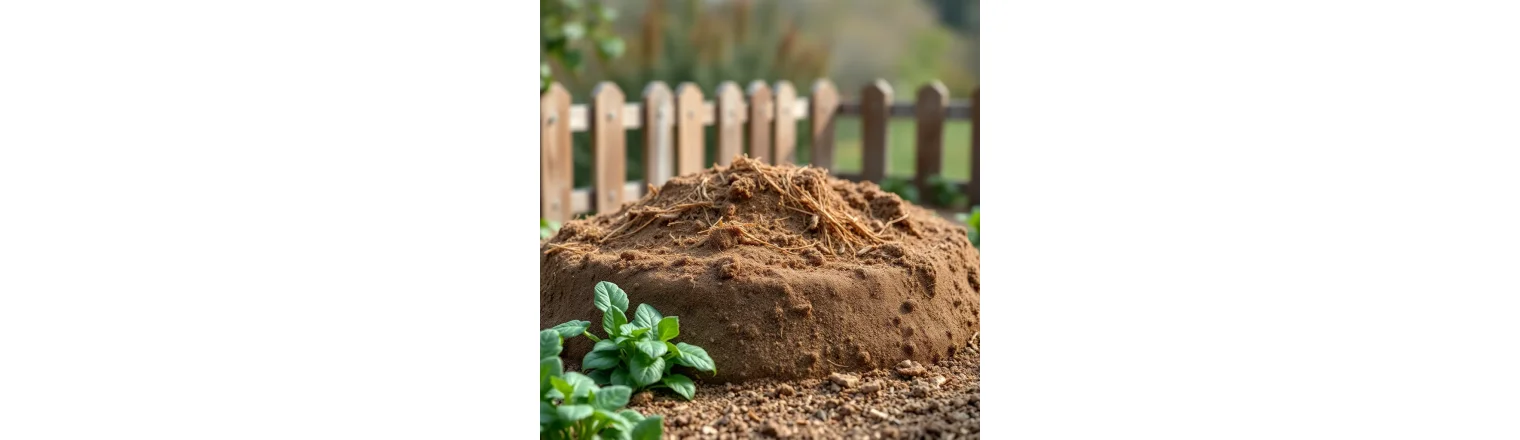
(672, 125)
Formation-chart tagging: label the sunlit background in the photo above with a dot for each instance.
(908, 43)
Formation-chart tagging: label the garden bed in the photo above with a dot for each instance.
(787, 303)
(927, 402)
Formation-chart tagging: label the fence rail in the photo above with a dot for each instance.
(672, 125)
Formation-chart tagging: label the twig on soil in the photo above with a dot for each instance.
(889, 224)
(575, 248)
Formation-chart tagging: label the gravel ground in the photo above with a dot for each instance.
(908, 401)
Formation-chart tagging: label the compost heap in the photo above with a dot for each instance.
(777, 271)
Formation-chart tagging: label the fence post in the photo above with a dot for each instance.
(876, 119)
(730, 134)
(555, 166)
(760, 121)
(607, 151)
(976, 146)
(930, 111)
(689, 147)
(659, 122)
(821, 108)
(786, 124)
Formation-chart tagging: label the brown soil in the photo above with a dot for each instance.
(903, 402)
(777, 271)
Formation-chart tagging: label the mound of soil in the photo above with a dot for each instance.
(777, 271)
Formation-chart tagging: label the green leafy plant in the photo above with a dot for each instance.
(974, 225)
(547, 228)
(572, 406)
(902, 187)
(947, 192)
(639, 353)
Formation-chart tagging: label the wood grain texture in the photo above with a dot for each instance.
(609, 158)
(759, 124)
(659, 133)
(929, 148)
(785, 124)
(822, 105)
(555, 164)
(729, 110)
(689, 143)
(875, 119)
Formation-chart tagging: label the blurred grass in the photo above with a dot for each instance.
(901, 148)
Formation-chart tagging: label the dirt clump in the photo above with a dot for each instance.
(777, 271)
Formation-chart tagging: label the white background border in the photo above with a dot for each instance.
(1204, 219)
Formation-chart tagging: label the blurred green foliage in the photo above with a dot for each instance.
(974, 226)
(547, 228)
(566, 28)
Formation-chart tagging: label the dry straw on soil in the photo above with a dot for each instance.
(778, 271)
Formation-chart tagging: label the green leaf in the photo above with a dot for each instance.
(602, 298)
(551, 367)
(695, 357)
(581, 385)
(564, 388)
(549, 344)
(547, 368)
(631, 415)
(612, 398)
(671, 350)
(646, 316)
(572, 329)
(612, 321)
(644, 370)
(617, 421)
(602, 377)
(546, 414)
(603, 356)
(571, 413)
(681, 385)
(653, 349)
(633, 330)
(650, 429)
(669, 328)
(615, 296)
(620, 377)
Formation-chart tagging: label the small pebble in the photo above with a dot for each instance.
(919, 391)
(911, 369)
(870, 388)
(843, 380)
(709, 430)
(785, 390)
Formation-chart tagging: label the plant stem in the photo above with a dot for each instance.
(593, 338)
